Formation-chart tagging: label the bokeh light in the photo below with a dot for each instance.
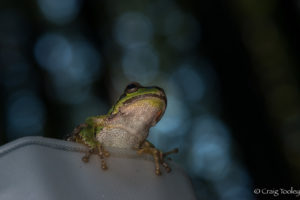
(175, 120)
(210, 148)
(59, 12)
(26, 115)
(133, 29)
(141, 64)
(72, 64)
(53, 52)
(192, 88)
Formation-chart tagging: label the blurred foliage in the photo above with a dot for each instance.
(229, 69)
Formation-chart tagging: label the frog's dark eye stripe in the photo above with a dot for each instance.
(132, 87)
(121, 97)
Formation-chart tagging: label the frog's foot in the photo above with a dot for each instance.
(102, 154)
(87, 155)
(99, 150)
(158, 156)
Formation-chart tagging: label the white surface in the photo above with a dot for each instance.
(42, 168)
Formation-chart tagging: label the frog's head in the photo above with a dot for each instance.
(141, 103)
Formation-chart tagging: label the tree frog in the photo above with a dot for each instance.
(126, 125)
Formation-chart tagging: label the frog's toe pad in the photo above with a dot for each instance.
(103, 165)
(157, 172)
(167, 168)
(85, 159)
(158, 156)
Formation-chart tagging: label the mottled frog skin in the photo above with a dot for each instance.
(126, 125)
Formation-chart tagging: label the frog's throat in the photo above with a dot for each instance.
(137, 98)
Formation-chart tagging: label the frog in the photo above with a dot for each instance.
(126, 125)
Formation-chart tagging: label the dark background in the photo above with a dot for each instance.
(229, 68)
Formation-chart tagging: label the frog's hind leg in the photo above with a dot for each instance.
(75, 135)
(158, 156)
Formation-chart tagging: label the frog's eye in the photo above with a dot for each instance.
(132, 87)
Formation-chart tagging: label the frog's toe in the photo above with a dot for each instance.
(106, 154)
(103, 165)
(102, 154)
(166, 166)
(85, 159)
(158, 156)
(157, 172)
(87, 156)
(163, 163)
(170, 152)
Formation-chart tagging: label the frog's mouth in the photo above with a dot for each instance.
(143, 96)
(160, 96)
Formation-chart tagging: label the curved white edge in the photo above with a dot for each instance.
(38, 140)
(68, 146)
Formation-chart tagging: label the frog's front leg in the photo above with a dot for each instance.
(100, 151)
(85, 134)
(158, 156)
(87, 155)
